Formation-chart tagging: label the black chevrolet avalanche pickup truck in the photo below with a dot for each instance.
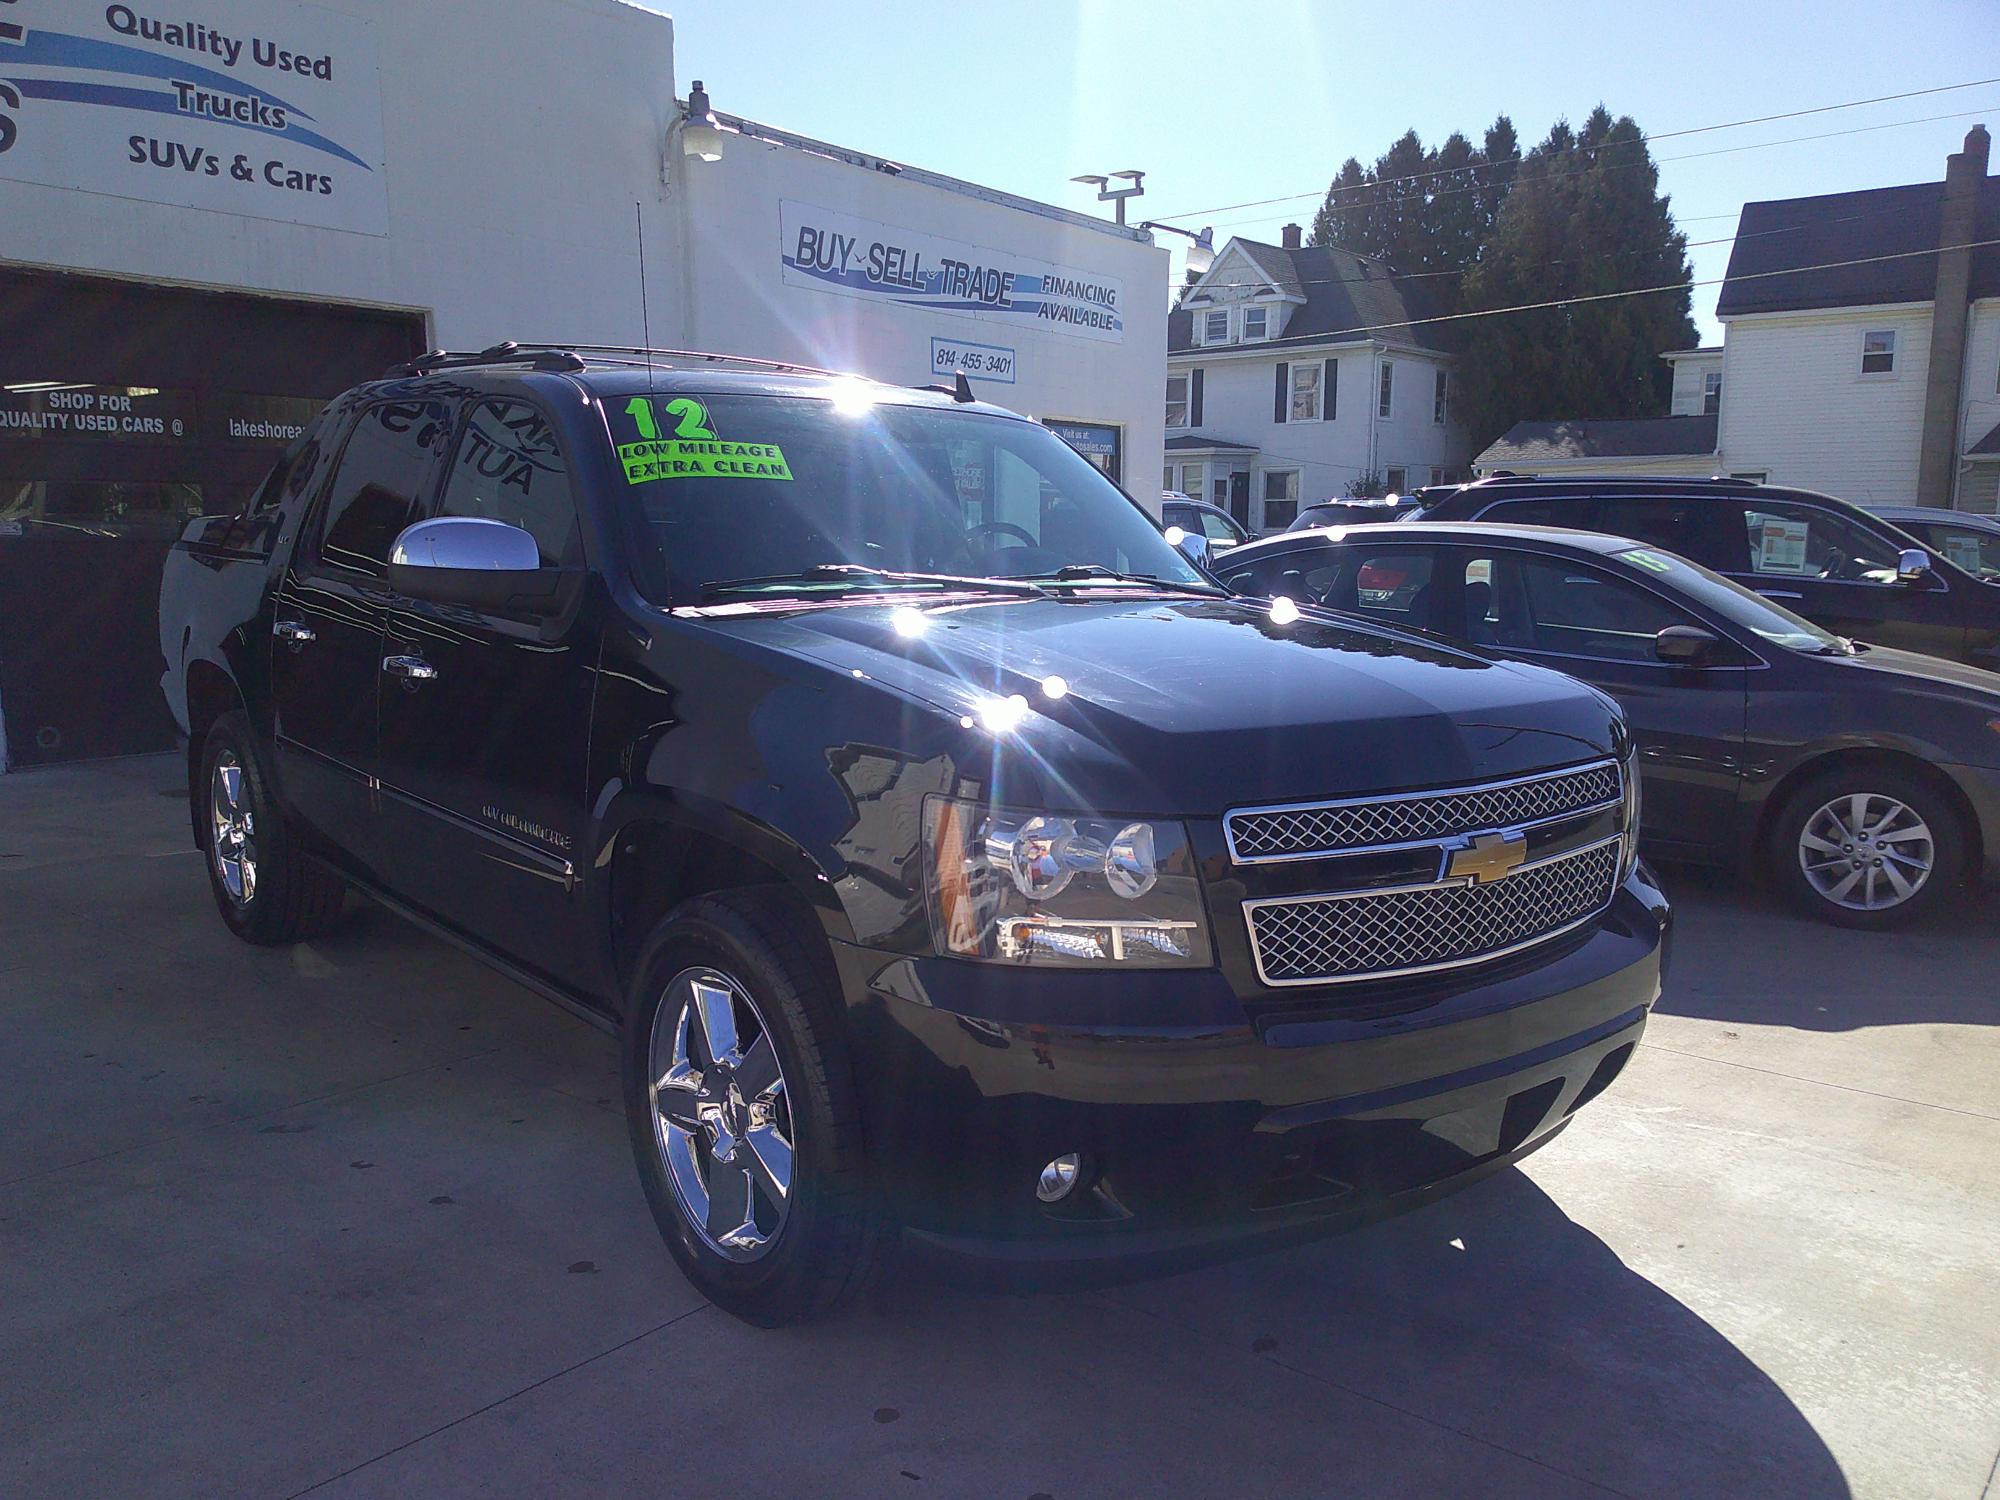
(947, 851)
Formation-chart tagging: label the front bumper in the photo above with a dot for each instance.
(1199, 1121)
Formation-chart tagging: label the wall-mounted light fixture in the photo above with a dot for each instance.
(701, 132)
(1201, 254)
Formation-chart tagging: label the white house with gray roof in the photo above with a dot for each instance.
(1860, 355)
(1294, 372)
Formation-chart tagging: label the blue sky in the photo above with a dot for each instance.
(1220, 104)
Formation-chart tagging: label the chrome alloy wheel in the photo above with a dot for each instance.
(1866, 851)
(721, 1117)
(232, 829)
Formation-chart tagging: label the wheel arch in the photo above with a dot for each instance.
(211, 693)
(1850, 757)
(660, 851)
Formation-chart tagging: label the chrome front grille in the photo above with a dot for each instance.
(1380, 934)
(1259, 835)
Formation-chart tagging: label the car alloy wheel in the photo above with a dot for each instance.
(721, 1117)
(1867, 851)
(232, 829)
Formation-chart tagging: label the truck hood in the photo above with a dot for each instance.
(1197, 705)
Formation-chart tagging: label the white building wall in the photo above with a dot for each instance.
(1238, 400)
(1797, 407)
(1981, 401)
(730, 211)
(517, 142)
(1689, 373)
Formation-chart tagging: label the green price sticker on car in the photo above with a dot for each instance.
(692, 451)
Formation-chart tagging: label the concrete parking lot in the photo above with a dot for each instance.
(359, 1218)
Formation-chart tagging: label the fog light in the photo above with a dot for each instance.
(1059, 1178)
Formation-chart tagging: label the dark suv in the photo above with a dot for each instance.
(945, 850)
(1842, 568)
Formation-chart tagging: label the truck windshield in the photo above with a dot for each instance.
(774, 495)
(1738, 605)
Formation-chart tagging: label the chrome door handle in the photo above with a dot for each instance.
(1779, 594)
(410, 668)
(293, 631)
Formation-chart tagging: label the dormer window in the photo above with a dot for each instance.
(1215, 327)
(1255, 321)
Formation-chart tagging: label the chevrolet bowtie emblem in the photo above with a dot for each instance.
(1489, 857)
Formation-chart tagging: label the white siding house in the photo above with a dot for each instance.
(1860, 355)
(1294, 373)
(1803, 411)
(1697, 381)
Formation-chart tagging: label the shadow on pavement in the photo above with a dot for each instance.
(1490, 1314)
(1742, 954)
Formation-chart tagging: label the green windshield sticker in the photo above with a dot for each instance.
(694, 451)
(1651, 560)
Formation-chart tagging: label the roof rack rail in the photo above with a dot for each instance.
(570, 358)
(639, 353)
(538, 356)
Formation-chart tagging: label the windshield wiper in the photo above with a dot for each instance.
(861, 575)
(1098, 573)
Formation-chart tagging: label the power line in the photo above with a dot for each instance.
(1755, 234)
(1648, 291)
(1196, 213)
(1649, 161)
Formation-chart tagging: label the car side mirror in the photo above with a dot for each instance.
(1913, 565)
(1191, 544)
(479, 563)
(1685, 645)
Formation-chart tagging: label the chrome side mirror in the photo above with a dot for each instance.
(475, 562)
(1913, 565)
(1191, 544)
(1684, 645)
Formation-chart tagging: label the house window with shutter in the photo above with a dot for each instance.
(1711, 392)
(1255, 321)
(1177, 400)
(1215, 327)
(1397, 480)
(1305, 393)
(1386, 398)
(1441, 398)
(1878, 352)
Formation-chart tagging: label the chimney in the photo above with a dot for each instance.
(1964, 177)
(1290, 238)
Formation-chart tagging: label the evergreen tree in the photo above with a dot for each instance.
(1582, 218)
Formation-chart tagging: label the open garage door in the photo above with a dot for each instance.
(125, 409)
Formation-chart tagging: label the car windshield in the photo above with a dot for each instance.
(775, 495)
(1738, 605)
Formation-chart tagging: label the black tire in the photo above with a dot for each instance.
(291, 896)
(829, 1244)
(1947, 846)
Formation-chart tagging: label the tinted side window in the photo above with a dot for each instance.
(508, 468)
(1574, 512)
(1308, 575)
(1782, 539)
(1672, 525)
(1550, 604)
(382, 475)
(1978, 552)
(1390, 585)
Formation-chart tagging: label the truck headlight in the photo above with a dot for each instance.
(1055, 889)
(1628, 769)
